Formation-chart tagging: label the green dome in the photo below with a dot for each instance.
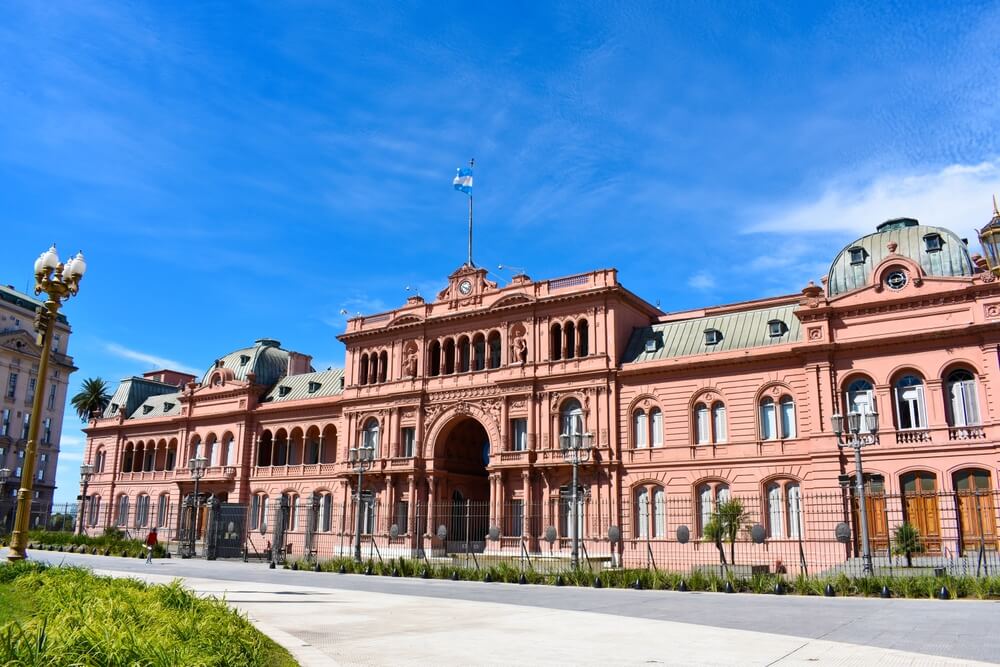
(266, 360)
(937, 250)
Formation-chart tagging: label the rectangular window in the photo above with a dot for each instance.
(409, 438)
(515, 529)
(519, 434)
(657, 427)
(12, 385)
(326, 504)
(367, 515)
(52, 397)
(403, 516)
(32, 383)
(254, 512)
(5, 425)
(163, 505)
(703, 430)
(25, 425)
(910, 403)
(47, 430)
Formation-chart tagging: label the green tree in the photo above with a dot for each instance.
(727, 520)
(908, 542)
(92, 397)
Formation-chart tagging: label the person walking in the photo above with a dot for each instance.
(151, 541)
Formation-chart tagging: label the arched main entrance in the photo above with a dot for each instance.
(461, 454)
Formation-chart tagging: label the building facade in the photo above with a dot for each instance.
(466, 402)
(19, 360)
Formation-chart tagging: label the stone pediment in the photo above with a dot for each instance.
(20, 341)
(466, 286)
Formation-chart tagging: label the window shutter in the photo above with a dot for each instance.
(970, 403)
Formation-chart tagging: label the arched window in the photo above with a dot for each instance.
(718, 422)
(768, 419)
(860, 398)
(122, 511)
(555, 343)
(659, 513)
(464, 350)
(478, 352)
(496, 357)
(141, 511)
(293, 511)
(325, 512)
(228, 455)
(449, 356)
(787, 407)
(570, 333)
(127, 458)
(583, 338)
(99, 461)
(571, 418)
(163, 511)
(976, 508)
(370, 435)
(94, 508)
(639, 429)
(784, 512)
(264, 449)
(280, 448)
(910, 406)
(383, 365)
(702, 424)
(435, 358)
(962, 399)
(373, 369)
(642, 514)
(656, 426)
(363, 369)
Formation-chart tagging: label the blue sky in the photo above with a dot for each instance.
(233, 172)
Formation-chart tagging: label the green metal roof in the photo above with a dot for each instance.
(740, 330)
(307, 385)
(266, 359)
(909, 235)
(133, 392)
(12, 296)
(164, 405)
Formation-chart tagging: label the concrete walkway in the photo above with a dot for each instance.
(326, 619)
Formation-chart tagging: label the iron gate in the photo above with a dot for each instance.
(226, 531)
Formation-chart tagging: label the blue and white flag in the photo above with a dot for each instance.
(463, 180)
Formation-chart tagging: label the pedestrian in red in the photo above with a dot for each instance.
(151, 541)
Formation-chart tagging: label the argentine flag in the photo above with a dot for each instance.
(463, 180)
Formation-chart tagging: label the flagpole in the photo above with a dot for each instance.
(472, 164)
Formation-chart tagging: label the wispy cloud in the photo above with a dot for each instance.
(702, 280)
(956, 196)
(151, 360)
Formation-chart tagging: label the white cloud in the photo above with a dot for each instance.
(957, 197)
(70, 456)
(701, 280)
(70, 441)
(151, 360)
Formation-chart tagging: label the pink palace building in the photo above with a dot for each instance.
(463, 399)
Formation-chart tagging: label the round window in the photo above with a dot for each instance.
(896, 279)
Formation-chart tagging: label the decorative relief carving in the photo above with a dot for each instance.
(991, 310)
(815, 333)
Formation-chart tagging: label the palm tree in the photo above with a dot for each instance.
(93, 397)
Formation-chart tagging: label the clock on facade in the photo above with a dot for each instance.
(465, 287)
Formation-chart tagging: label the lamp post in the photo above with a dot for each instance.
(59, 282)
(576, 448)
(361, 458)
(196, 466)
(4, 476)
(86, 472)
(855, 438)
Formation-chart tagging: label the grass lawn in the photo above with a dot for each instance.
(68, 616)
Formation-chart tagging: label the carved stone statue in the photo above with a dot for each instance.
(520, 349)
(410, 364)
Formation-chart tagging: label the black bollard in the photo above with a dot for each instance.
(828, 591)
(395, 572)
(559, 580)
(522, 579)
(488, 578)
(454, 575)
(683, 587)
(598, 583)
(295, 566)
(779, 588)
(425, 574)
(943, 594)
(317, 568)
(886, 593)
(729, 587)
(637, 584)
(271, 565)
(368, 570)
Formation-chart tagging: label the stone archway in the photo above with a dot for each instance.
(460, 451)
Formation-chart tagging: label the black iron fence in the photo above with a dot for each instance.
(55, 517)
(784, 533)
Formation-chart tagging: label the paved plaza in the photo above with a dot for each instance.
(326, 619)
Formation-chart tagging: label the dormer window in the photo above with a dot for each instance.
(858, 255)
(314, 387)
(146, 409)
(114, 408)
(167, 407)
(776, 328)
(284, 391)
(713, 336)
(933, 242)
(244, 359)
(650, 345)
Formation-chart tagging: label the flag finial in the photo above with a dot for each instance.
(996, 211)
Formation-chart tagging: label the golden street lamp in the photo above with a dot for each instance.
(59, 282)
(86, 473)
(989, 238)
